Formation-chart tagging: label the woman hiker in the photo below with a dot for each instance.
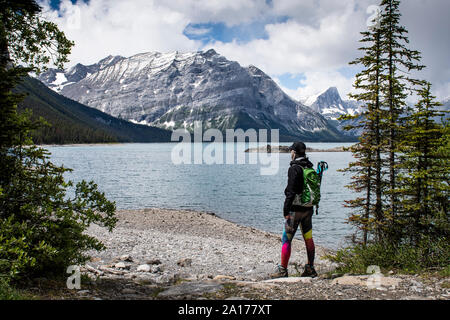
(296, 215)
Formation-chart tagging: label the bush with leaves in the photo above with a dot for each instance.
(429, 254)
(42, 227)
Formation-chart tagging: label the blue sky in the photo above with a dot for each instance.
(56, 3)
(305, 46)
(220, 31)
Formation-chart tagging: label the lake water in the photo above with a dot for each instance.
(143, 176)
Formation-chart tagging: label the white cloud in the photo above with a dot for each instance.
(116, 27)
(293, 47)
(318, 38)
(196, 31)
(316, 82)
(231, 12)
(318, 51)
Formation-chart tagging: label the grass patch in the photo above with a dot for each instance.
(7, 292)
(425, 258)
(180, 281)
(157, 291)
(445, 272)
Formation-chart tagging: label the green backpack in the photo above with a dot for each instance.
(311, 189)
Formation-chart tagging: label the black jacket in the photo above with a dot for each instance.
(295, 184)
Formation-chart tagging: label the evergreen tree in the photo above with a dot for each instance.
(425, 173)
(41, 227)
(399, 62)
(402, 166)
(367, 170)
(382, 86)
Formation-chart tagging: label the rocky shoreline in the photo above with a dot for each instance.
(179, 254)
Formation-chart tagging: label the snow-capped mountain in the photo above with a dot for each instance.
(331, 106)
(58, 79)
(173, 90)
(445, 105)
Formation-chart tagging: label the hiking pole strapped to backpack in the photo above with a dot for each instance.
(321, 167)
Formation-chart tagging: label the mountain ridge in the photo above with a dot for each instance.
(174, 90)
(331, 106)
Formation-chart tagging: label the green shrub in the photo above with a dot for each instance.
(42, 230)
(41, 225)
(7, 292)
(429, 254)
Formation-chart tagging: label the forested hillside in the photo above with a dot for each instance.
(72, 122)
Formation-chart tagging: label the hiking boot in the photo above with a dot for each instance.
(280, 272)
(309, 271)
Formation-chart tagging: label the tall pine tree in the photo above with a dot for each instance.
(401, 169)
(399, 61)
(367, 170)
(423, 182)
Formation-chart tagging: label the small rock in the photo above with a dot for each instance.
(374, 282)
(128, 291)
(416, 289)
(416, 283)
(156, 269)
(348, 280)
(121, 265)
(186, 262)
(289, 280)
(236, 298)
(223, 277)
(126, 257)
(191, 288)
(144, 268)
(153, 261)
(83, 292)
(412, 298)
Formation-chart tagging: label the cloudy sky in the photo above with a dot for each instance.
(305, 45)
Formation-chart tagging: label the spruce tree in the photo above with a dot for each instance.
(402, 167)
(367, 178)
(423, 187)
(399, 61)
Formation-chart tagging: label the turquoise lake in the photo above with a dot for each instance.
(144, 175)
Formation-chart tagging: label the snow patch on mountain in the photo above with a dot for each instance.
(173, 90)
(331, 106)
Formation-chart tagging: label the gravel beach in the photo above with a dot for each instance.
(208, 245)
(179, 254)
